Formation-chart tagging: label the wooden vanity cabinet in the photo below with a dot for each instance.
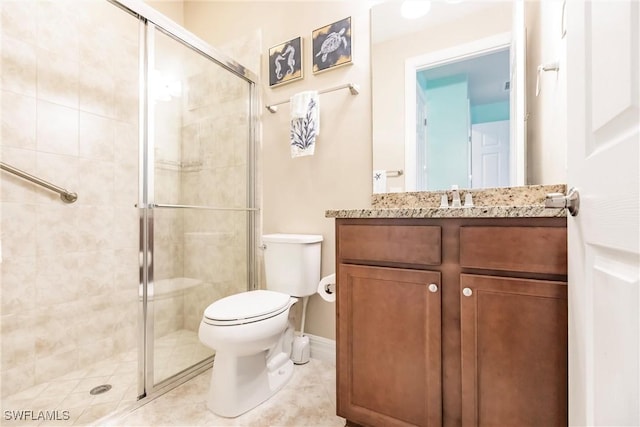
(390, 366)
(413, 350)
(514, 325)
(389, 325)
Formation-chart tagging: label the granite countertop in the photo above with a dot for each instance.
(508, 202)
(475, 212)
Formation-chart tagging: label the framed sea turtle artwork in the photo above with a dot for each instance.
(332, 45)
(285, 62)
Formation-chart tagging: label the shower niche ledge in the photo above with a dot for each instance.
(175, 300)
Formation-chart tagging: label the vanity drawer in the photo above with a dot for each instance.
(522, 249)
(401, 244)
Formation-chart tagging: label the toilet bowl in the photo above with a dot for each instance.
(252, 332)
(252, 335)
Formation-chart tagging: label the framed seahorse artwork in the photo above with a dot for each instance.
(332, 46)
(285, 62)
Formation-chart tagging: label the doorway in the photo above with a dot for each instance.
(452, 95)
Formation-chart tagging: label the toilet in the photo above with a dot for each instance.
(251, 331)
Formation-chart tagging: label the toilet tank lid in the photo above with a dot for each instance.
(292, 238)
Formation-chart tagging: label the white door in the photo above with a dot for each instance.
(603, 96)
(490, 154)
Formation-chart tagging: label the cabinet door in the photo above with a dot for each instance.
(514, 351)
(388, 346)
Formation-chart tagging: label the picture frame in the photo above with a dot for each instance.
(332, 46)
(285, 62)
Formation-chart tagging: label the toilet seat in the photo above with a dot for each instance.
(246, 307)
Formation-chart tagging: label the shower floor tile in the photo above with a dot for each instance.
(67, 398)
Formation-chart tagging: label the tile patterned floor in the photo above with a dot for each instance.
(307, 400)
(174, 352)
(68, 398)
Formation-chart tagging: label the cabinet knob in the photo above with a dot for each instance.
(433, 287)
(467, 292)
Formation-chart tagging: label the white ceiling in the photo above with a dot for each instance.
(486, 75)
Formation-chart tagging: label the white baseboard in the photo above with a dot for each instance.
(322, 348)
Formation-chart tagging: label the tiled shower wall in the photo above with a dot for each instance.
(216, 241)
(206, 165)
(70, 116)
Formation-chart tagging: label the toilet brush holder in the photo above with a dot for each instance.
(300, 351)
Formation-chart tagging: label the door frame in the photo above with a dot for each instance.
(457, 53)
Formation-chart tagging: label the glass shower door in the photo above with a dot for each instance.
(200, 192)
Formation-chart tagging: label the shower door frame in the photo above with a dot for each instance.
(149, 21)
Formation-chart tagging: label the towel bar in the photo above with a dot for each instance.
(393, 174)
(353, 88)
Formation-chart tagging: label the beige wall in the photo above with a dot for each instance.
(546, 126)
(298, 191)
(170, 8)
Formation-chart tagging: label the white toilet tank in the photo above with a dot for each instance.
(292, 263)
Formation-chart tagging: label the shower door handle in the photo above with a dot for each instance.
(213, 208)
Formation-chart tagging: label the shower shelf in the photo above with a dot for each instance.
(173, 286)
(178, 166)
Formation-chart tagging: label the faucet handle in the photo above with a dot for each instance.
(456, 197)
(468, 200)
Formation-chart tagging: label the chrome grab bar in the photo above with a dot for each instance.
(65, 195)
(213, 208)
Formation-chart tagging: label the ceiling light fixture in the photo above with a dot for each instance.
(413, 9)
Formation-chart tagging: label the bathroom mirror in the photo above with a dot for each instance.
(448, 96)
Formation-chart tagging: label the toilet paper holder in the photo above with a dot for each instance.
(327, 288)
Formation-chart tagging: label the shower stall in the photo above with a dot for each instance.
(155, 131)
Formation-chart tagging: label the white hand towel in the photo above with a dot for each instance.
(305, 123)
